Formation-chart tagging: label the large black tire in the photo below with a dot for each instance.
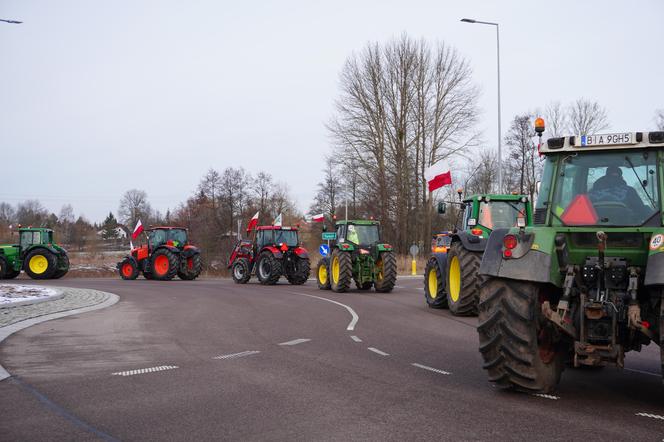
(240, 271)
(434, 285)
(12, 274)
(463, 280)
(164, 265)
(341, 271)
(4, 267)
(386, 272)
(128, 269)
(40, 264)
(190, 267)
(365, 286)
(323, 274)
(63, 267)
(268, 268)
(516, 341)
(301, 271)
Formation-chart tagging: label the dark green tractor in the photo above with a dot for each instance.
(357, 254)
(584, 284)
(36, 254)
(452, 279)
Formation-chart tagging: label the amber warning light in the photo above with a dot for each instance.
(539, 125)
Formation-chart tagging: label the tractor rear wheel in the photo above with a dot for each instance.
(341, 271)
(323, 274)
(463, 280)
(301, 271)
(12, 274)
(516, 341)
(63, 267)
(191, 267)
(434, 285)
(4, 267)
(269, 268)
(128, 269)
(40, 264)
(240, 271)
(164, 265)
(386, 272)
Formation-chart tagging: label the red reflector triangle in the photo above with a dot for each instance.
(580, 212)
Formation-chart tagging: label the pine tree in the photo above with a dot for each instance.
(109, 228)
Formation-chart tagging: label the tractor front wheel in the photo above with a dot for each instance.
(517, 343)
(190, 267)
(63, 267)
(128, 269)
(434, 285)
(463, 280)
(269, 268)
(240, 271)
(40, 264)
(300, 272)
(164, 265)
(386, 272)
(323, 274)
(341, 271)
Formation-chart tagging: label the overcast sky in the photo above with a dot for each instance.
(98, 97)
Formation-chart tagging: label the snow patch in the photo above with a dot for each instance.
(13, 294)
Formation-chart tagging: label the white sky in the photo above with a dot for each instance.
(179, 87)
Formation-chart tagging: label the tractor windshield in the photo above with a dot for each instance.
(500, 214)
(288, 237)
(614, 189)
(363, 234)
(178, 236)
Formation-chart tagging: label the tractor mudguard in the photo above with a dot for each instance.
(301, 252)
(533, 265)
(655, 269)
(129, 257)
(170, 248)
(275, 251)
(441, 260)
(472, 243)
(51, 249)
(190, 251)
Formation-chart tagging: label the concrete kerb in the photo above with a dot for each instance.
(8, 330)
(59, 295)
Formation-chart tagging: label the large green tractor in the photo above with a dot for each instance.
(36, 254)
(452, 279)
(584, 284)
(357, 255)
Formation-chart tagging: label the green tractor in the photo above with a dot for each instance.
(584, 284)
(36, 254)
(357, 255)
(452, 279)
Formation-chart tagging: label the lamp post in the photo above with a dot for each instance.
(500, 136)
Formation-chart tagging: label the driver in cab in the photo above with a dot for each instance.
(613, 188)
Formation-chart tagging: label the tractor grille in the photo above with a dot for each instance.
(540, 216)
(614, 240)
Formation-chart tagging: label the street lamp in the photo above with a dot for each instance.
(500, 136)
(14, 22)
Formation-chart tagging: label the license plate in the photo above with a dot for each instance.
(606, 139)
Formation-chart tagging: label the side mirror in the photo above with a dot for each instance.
(324, 228)
(442, 207)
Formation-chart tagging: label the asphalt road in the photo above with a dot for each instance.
(248, 362)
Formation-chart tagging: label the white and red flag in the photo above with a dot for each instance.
(137, 230)
(438, 175)
(318, 218)
(253, 222)
(277, 221)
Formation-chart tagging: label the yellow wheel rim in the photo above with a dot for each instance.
(335, 269)
(322, 274)
(454, 282)
(433, 284)
(379, 270)
(38, 264)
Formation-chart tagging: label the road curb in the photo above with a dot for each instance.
(59, 295)
(9, 330)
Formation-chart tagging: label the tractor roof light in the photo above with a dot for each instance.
(510, 242)
(539, 125)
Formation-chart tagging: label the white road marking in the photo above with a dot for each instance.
(425, 367)
(375, 350)
(295, 341)
(642, 372)
(652, 416)
(355, 338)
(353, 322)
(237, 355)
(145, 370)
(546, 396)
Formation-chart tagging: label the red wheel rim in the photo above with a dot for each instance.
(190, 263)
(161, 265)
(127, 270)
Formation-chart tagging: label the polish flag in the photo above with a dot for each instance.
(438, 175)
(253, 222)
(277, 221)
(318, 218)
(137, 230)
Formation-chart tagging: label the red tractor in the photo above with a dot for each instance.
(166, 254)
(272, 252)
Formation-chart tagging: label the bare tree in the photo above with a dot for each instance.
(556, 118)
(31, 213)
(262, 187)
(482, 173)
(523, 162)
(134, 205)
(329, 194)
(586, 117)
(659, 119)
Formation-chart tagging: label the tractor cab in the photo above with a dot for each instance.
(171, 236)
(358, 233)
(484, 213)
(441, 242)
(276, 236)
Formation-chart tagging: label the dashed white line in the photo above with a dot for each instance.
(652, 416)
(380, 352)
(295, 341)
(144, 370)
(353, 322)
(547, 396)
(355, 338)
(642, 372)
(237, 355)
(425, 367)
